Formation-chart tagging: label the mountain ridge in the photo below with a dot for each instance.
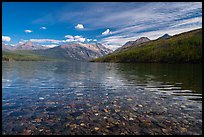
(185, 47)
(165, 36)
(133, 43)
(75, 51)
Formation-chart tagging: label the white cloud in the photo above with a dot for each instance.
(21, 42)
(79, 26)
(188, 21)
(50, 45)
(43, 28)
(106, 32)
(28, 31)
(171, 31)
(6, 38)
(45, 40)
(75, 38)
(69, 40)
(12, 45)
(89, 40)
(110, 14)
(110, 46)
(69, 37)
(95, 40)
(79, 38)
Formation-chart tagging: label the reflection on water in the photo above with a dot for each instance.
(101, 98)
(188, 76)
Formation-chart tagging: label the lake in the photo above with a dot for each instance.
(101, 98)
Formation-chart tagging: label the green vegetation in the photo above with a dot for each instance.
(22, 56)
(182, 48)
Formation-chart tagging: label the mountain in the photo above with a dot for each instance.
(165, 36)
(77, 51)
(25, 46)
(140, 40)
(181, 48)
(7, 47)
(128, 44)
(30, 46)
(86, 51)
(133, 43)
(71, 51)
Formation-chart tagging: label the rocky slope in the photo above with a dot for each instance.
(30, 46)
(165, 36)
(133, 43)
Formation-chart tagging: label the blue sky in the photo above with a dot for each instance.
(110, 23)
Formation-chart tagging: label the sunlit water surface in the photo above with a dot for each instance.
(101, 98)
